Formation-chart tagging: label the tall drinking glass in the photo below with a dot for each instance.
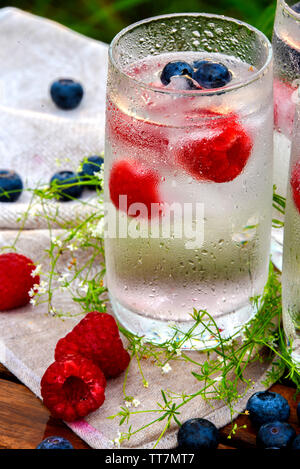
(291, 248)
(188, 173)
(286, 46)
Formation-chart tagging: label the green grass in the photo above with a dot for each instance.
(102, 19)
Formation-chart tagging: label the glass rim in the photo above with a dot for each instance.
(289, 10)
(199, 92)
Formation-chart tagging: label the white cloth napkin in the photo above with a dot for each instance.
(36, 138)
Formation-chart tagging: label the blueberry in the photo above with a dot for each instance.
(197, 434)
(296, 7)
(68, 185)
(279, 434)
(175, 69)
(296, 443)
(11, 186)
(91, 165)
(55, 442)
(267, 406)
(66, 93)
(211, 74)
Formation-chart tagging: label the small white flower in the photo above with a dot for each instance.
(72, 247)
(219, 378)
(31, 293)
(97, 174)
(128, 403)
(135, 402)
(63, 281)
(166, 369)
(63, 278)
(84, 287)
(57, 242)
(36, 271)
(116, 441)
(41, 288)
(100, 174)
(178, 352)
(170, 348)
(53, 311)
(98, 230)
(32, 302)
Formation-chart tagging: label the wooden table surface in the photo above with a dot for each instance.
(25, 422)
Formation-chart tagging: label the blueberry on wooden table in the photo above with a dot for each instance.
(66, 93)
(267, 406)
(11, 186)
(197, 434)
(67, 185)
(275, 434)
(55, 442)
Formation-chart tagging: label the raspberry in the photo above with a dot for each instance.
(134, 133)
(284, 107)
(96, 337)
(295, 184)
(220, 157)
(139, 184)
(15, 280)
(72, 388)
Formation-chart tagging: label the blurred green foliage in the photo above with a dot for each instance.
(102, 19)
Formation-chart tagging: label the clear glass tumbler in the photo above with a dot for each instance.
(286, 47)
(291, 248)
(188, 173)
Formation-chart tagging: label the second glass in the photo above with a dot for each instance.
(286, 45)
(175, 144)
(291, 248)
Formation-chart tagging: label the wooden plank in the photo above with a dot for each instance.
(246, 437)
(25, 422)
(222, 446)
(5, 374)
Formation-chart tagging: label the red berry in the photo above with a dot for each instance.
(15, 280)
(72, 388)
(97, 338)
(135, 133)
(138, 183)
(295, 183)
(219, 157)
(284, 107)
